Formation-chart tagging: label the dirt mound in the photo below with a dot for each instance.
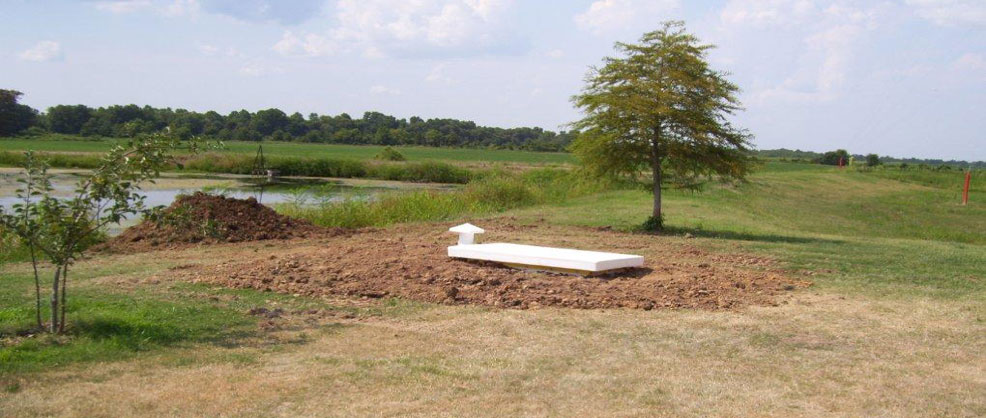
(411, 262)
(204, 218)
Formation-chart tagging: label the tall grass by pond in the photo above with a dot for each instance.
(223, 163)
(16, 159)
(495, 192)
(79, 144)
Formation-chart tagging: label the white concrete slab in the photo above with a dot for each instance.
(532, 255)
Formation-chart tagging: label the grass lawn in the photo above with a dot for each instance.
(894, 324)
(862, 230)
(291, 149)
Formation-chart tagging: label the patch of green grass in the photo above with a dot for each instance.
(794, 203)
(106, 326)
(856, 231)
(945, 178)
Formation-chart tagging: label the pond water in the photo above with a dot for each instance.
(163, 192)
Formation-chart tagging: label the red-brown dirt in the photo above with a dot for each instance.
(207, 219)
(411, 262)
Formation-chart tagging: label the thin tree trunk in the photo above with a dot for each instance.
(655, 162)
(657, 192)
(53, 326)
(37, 287)
(64, 301)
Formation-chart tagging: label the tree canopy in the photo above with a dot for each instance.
(14, 117)
(659, 106)
(274, 124)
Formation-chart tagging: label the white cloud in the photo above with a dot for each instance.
(379, 28)
(123, 6)
(42, 51)
(555, 53)
(170, 8)
(608, 15)
(951, 12)
(215, 51)
(382, 27)
(209, 50)
(438, 75)
(180, 8)
(308, 45)
(829, 33)
(761, 13)
(836, 45)
(256, 69)
(381, 89)
(971, 62)
(823, 70)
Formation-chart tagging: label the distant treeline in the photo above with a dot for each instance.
(831, 158)
(373, 128)
(273, 124)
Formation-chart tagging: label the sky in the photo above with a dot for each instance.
(904, 78)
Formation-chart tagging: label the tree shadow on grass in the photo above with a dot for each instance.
(141, 335)
(110, 339)
(746, 236)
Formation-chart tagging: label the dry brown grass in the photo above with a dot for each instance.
(819, 355)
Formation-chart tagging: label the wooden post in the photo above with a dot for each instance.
(965, 189)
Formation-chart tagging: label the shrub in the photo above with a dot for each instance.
(423, 172)
(653, 224)
(390, 154)
(833, 157)
(872, 160)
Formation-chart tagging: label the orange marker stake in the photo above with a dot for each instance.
(965, 189)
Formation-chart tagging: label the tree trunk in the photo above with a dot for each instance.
(37, 287)
(657, 191)
(655, 161)
(63, 302)
(53, 326)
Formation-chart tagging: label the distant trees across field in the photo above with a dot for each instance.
(273, 124)
(832, 158)
(373, 128)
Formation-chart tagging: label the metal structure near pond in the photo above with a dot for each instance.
(262, 175)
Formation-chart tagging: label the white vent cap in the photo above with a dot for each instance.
(466, 232)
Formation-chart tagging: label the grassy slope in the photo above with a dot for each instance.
(900, 273)
(876, 234)
(289, 149)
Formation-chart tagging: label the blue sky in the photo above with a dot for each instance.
(902, 78)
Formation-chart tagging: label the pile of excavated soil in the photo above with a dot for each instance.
(202, 218)
(411, 262)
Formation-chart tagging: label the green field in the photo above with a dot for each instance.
(876, 234)
(290, 149)
(894, 324)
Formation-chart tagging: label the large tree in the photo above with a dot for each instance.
(68, 119)
(14, 117)
(659, 106)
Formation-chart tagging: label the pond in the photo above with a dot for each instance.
(305, 190)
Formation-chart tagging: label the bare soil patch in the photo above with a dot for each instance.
(411, 262)
(202, 218)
